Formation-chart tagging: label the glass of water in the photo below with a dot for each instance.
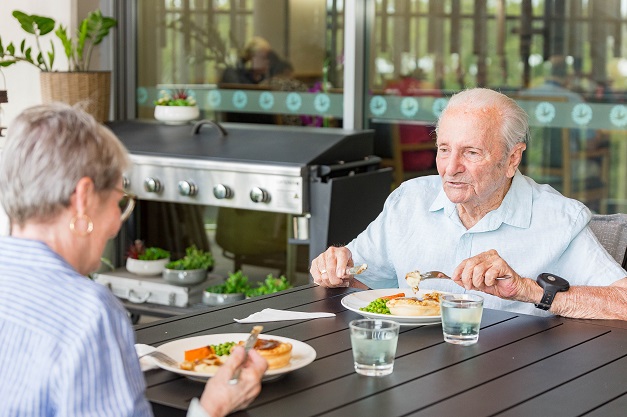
(374, 346)
(461, 318)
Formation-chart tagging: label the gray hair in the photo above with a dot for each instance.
(48, 150)
(499, 111)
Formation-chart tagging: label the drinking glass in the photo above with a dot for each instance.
(374, 346)
(461, 318)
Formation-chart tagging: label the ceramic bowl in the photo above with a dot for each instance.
(176, 115)
(185, 276)
(217, 299)
(146, 268)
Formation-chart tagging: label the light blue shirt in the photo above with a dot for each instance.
(534, 230)
(66, 343)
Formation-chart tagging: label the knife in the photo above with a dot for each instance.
(250, 342)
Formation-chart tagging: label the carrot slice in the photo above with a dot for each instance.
(390, 297)
(199, 353)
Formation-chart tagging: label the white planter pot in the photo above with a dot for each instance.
(176, 115)
(147, 268)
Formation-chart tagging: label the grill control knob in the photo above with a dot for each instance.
(222, 191)
(259, 195)
(152, 185)
(126, 182)
(187, 188)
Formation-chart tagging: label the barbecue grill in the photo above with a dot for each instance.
(326, 180)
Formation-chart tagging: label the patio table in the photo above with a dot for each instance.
(522, 365)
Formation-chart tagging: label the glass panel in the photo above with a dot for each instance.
(563, 60)
(276, 61)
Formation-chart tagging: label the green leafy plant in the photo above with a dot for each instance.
(194, 259)
(91, 32)
(178, 98)
(139, 251)
(269, 286)
(236, 283)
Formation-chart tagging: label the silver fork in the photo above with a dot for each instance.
(442, 275)
(161, 357)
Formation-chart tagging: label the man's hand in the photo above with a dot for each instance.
(329, 268)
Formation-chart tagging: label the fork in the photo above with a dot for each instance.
(442, 275)
(161, 357)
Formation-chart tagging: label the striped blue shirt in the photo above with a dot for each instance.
(66, 343)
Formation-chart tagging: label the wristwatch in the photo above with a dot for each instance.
(552, 284)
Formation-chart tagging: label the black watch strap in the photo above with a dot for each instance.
(552, 284)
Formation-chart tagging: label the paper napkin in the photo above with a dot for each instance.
(270, 314)
(147, 362)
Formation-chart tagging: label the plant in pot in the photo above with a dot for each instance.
(77, 85)
(191, 269)
(147, 261)
(234, 288)
(176, 108)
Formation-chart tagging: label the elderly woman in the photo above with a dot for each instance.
(67, 342)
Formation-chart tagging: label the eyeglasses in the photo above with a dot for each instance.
(126, 204)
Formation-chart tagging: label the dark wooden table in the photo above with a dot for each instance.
(521, 366)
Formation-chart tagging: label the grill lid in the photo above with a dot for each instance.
(251, 143)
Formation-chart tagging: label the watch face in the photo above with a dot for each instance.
(547, 280)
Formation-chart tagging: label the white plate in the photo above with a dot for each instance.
(360, 299)
(302, 353)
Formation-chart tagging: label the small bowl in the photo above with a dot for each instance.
(184, 276)
(146, 268)
(217, 299)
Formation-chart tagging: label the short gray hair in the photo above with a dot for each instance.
(501, 113)
(49, 148)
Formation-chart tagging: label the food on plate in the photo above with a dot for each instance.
(429, 305)
(378, 305)
(413, 279)
(207, 359)
(275, 352)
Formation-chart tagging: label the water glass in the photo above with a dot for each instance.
(461, 318)
(374, 346)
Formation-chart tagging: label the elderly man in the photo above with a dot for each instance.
(480, 212)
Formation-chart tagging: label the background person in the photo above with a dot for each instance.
(67, 342)
(480, 212)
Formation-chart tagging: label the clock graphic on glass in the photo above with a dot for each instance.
(322, 102)
(378, 105)
(293, 101)
(582, 114)
(618, 115)
(240, 99)
(214, 98)
(438, 106)
(409, 106)
(266, 100)
(545, 112)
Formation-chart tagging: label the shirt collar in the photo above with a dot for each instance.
(515, 210)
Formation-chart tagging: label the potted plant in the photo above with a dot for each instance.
(146, 261)
(234, 288)
(175, 109)
(191, 269)
(78, 84)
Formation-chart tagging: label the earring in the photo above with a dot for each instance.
(84, 218)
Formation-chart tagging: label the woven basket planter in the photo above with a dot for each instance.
(89, 90)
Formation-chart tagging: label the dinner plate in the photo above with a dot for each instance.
(302, 353)
(360, 299)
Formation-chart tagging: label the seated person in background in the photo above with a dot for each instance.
(481, 219)
(67, 342)
(282, 79)
(253, 64)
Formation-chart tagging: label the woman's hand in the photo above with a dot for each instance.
(220, 397)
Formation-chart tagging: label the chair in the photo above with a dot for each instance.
(398, 148)
(611, 230)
